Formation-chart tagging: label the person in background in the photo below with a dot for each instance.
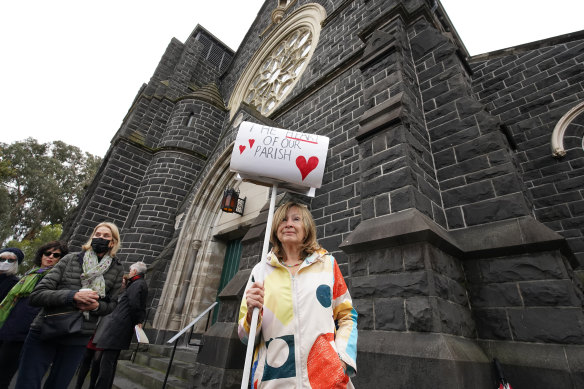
(307, 330)
(90, 362)
(116, 333)
(92, 356)
(15, 312)
(88, 281)
(10, 258)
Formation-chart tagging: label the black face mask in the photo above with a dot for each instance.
(100, 245)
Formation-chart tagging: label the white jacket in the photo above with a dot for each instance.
(307, 327)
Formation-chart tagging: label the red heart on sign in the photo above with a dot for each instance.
(241, 148)
(306, 167)
(251, 142)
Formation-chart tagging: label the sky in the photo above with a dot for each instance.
(71, 68)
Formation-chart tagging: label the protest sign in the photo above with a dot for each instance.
(285, 159)
(293, 160)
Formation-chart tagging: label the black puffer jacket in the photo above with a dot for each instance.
(56, 290)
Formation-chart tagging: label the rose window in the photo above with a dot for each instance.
(279, 71)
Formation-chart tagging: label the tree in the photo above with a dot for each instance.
(41, 184)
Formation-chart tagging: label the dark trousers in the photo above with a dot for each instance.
(91, 360)
(37, 356)
(107, 369)
(9, 357)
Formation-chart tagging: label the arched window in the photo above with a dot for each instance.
(280, 61)
(574, 116)
(191, 120)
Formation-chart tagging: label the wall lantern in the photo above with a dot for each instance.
(231, 203)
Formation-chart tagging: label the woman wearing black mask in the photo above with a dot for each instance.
(82, 285)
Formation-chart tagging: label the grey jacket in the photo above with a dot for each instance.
(54, 293)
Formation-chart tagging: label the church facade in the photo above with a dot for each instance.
(452, 198)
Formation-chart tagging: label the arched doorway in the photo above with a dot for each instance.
(195, 272)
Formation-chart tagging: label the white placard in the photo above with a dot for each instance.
(268, 154)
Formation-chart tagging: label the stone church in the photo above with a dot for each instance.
(453, 194)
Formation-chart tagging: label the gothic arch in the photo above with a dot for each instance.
(193, 276)
(557, 141)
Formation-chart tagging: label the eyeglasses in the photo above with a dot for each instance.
(9, 260)
(55, 255)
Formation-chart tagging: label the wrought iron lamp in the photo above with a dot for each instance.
(231, 203)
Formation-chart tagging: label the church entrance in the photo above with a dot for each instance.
(230, 267)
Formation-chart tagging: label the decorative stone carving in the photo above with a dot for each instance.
(279, 71)
(277, 15)
(278, 64)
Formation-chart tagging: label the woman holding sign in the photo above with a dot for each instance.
(307, 330)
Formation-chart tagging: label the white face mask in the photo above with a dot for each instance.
(8, 268)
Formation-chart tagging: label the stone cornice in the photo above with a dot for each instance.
(501, 238)
(209, 93)
(520, 49)
(134, 140)
(381, 117)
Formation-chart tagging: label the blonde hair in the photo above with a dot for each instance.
(115, 237)
(309, 245)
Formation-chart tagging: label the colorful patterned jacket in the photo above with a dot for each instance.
(307, 327)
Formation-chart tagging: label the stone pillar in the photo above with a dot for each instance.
(397, 169)
(179, 303)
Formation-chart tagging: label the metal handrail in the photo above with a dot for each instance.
(180, 333)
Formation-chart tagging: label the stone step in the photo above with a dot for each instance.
(182, 354)
(124, 383)
(143, 377)
(178, 369)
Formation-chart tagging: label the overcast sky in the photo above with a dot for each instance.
(72, 68)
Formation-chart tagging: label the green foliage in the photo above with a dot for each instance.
(40, 184)
(30, 246)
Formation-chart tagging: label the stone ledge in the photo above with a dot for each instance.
(209, 94)
(514, 236)
(507, 237)
(421, 345)
(379, 46)
(381, 117)
(405, 227)
(132, 140)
